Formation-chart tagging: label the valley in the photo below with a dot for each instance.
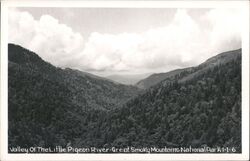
(49, 106)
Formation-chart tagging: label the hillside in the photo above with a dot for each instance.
(188, 73)
(157, 78)
(43, 98)
(198, 106)
(201, 108)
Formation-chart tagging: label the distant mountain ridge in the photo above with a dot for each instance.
(211, 62)
(87, 74)
(127, 79)
(157, 78)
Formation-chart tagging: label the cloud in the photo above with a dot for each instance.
(159, 48)
(111, 52)
(53, 41)
(184, 42)
(227, 26)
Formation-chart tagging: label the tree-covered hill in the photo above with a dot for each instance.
(157, 78)
(50, 106)
(187, 73)
(199, 107)
(44, 100)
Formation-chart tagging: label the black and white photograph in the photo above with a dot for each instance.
(126, 79)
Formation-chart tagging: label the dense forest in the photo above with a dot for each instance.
(43, 99)
(197, 106)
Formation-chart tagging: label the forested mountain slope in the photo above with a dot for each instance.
(188, 73)
(44, 99)
(157, 78)
(198, 109)
(49, 106)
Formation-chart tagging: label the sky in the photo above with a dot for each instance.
(107, 41)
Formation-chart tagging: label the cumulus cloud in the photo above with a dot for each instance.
(53, 41)
(184, 42)
(226, 28)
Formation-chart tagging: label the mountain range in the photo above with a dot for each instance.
(49, 106)
(128, 79)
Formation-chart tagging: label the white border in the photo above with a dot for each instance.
(125, 4)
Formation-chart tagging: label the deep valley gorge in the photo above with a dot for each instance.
(196, 106)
